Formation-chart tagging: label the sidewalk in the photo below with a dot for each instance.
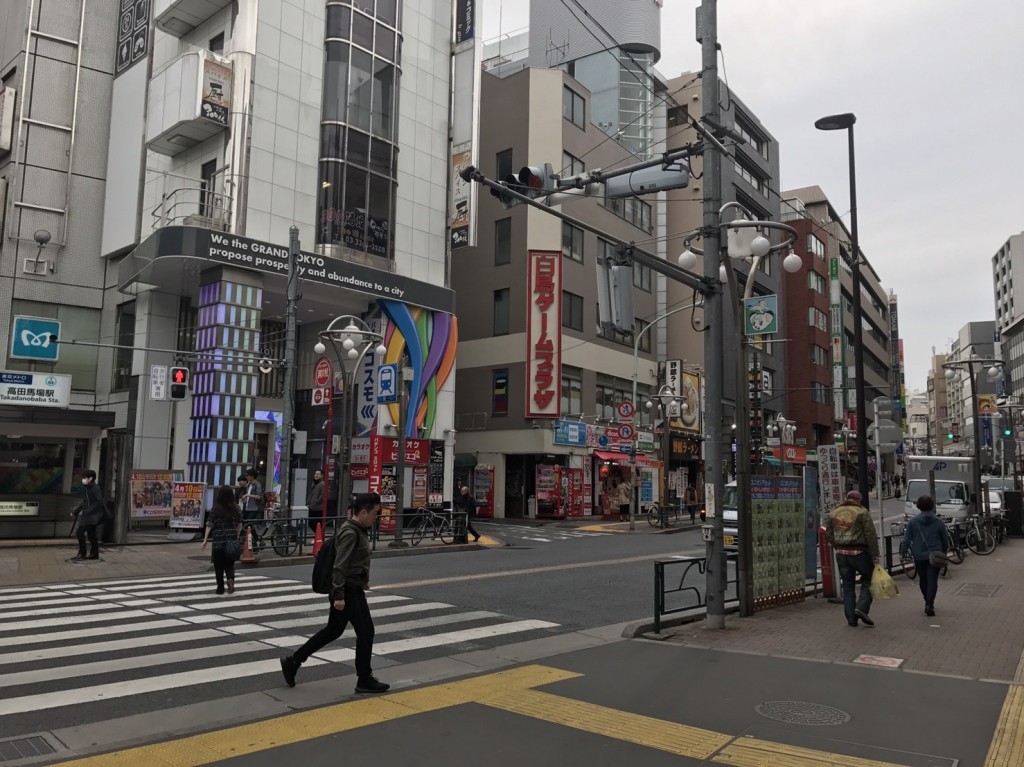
(30, 562)
(977, 633)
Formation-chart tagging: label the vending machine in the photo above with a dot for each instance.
(549, 491)
(483, 490)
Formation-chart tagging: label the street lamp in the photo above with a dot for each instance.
(845, 122)
(754, 252)
(844, 435)
(786, 430)
(667, 403)
(350, 338)
(994, 369)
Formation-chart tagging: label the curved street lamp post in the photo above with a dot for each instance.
(350, 343)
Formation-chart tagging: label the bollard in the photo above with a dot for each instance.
(247, 555)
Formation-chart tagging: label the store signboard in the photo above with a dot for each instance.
(152, 494)
(187, 505)
(38, 389)
(544, 334)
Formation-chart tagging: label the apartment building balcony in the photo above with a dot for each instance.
(189, 102)
(179, 17)
(183, 201)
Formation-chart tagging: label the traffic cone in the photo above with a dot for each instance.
(318, 538)
(247, 555)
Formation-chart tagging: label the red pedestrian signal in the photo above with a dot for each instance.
(179, 383)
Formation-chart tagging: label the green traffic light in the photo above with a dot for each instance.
(949, 436)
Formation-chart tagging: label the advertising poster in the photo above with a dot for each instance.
(790, 535)
(763, 513)
(216, 92)
(812, 513)
(778, 520)
(435, 474)
(152, 494)
(187, 505)
(419, 486)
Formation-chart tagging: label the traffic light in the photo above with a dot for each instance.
(179, 383)
(537, 180)
(949, 436)
(1006, 431)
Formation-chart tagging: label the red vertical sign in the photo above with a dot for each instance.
(544, 334)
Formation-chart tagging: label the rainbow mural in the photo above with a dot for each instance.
(431, 339)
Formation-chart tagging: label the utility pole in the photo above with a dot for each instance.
(290, 342)
(714, 337)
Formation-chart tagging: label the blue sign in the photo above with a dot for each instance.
(571, 433)
(387, 383)
(30, 339)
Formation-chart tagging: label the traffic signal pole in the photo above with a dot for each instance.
(290, 342)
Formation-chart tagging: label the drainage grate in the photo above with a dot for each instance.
(27, 747)
(800, 712)
(984, 590)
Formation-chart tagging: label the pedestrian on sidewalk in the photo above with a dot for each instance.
(349, 581)
(239, 489)
(89, 514)
(625, 491)
(223, 523)
(690, 499)
(926, 533)
(852, 534)
(315, 501)
(465, 502)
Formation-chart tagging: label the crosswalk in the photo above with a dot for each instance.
(129, 644)
(544, 534)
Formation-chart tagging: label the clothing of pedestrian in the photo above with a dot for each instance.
(315, 500)
(349, 580)
(252, 498)
(465, 502)
(690, 499)
(89, 515)
(239, 489)
(625, 491)
(223, 523)
(926, 533)
(852, 534)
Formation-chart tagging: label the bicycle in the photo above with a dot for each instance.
(284, 537)
(956, 540)
(979, 537)
(439, 526)
(658, 516)
(906, 558)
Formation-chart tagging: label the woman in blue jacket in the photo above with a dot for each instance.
(926, 533)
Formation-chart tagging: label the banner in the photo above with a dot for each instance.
(187, 505)
(152, 494)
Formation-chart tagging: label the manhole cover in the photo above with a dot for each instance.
(801, 712)
(984, 590)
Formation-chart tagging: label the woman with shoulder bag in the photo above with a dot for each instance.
(223, 524)
(927, 539)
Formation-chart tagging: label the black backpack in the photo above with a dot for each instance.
(323, 567)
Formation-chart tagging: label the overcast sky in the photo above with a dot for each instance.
(938, 90)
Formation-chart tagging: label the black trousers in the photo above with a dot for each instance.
(223, 566)
(94, 542)
(356, 612)
(928, 580)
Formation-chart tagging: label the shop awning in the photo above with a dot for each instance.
(623, 458)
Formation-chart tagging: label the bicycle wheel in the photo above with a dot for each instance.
(956, 554)
(419, 531)
(909, 567)
(284, 540)
(446, 532)
(652, 517)
(983, 542)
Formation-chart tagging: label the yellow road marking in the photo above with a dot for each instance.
(207, 748)
(510, 691)
(1007, 747)
(607, 527)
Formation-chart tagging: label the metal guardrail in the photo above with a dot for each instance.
(694, 569)
(301, 534)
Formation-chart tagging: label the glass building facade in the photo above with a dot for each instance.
(358, 129)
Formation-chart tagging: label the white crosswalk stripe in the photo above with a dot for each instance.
(544, 534)
(65, 645)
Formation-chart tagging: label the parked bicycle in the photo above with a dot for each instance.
(437, 524)
(662, 516)
(281, 535)
(979, 537)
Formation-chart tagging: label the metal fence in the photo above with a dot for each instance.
(679, 585)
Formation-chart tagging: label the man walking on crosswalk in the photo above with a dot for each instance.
(350, 579)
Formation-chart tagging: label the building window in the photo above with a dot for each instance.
(631, 209)
(817, 319)
(572, 242)
(503, 164)
(572, 391)
(819, 356)
(610, 392)
(502, 241)
(124, 332)
(217, 43)
(817, 283)
(501, 312)
(572, 166)
(611, 334)
(572, 311)
(820, 393)
(639, 326)
(642, 277)
(752, 177)
(573, 107)
(753, 137)
(678, 116)
(499, 392)
(815, 246)
(208, 206)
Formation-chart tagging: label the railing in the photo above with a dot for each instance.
(191, 201)
(690, 584)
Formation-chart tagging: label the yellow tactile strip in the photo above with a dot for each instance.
(751, 752)
(1007, 749)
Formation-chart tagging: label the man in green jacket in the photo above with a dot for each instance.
(852, 534)
(350, 579)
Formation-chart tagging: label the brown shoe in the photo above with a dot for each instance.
(231, 587)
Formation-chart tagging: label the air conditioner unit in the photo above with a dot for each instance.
(205, 222)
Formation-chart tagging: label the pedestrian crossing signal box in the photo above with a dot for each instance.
(179, 383)
(707, 533)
